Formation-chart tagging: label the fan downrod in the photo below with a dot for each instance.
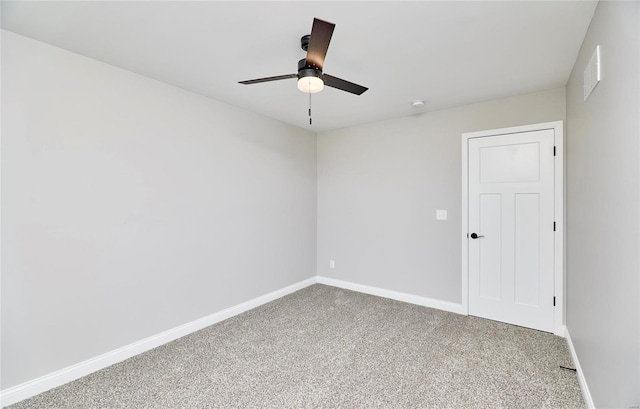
(304, 42)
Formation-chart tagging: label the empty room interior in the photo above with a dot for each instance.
(320, 204)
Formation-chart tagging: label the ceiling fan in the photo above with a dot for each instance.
(311, 79)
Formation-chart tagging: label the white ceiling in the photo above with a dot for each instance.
(447, 53)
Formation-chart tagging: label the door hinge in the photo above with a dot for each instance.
(554, 300)
(554, 151)
(554, 226)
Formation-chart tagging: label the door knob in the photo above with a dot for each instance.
(475, 236)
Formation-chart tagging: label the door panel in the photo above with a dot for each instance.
(527, 254)
(511, 205)
(490, 262)
(509, 163)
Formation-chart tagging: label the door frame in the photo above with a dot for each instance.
(559, 243)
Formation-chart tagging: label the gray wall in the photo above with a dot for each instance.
(603, 179)
(379, 186)
(130, 207)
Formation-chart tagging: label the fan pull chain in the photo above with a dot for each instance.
(310, 121)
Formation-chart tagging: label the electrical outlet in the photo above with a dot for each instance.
(441, 215)
(332, 264)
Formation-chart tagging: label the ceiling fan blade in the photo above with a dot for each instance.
(343, 85)
(267, 79)
(321, 33)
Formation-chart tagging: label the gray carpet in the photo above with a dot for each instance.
(324, 347)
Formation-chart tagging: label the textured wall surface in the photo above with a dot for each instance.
(603, 179)
(380, 185)
(130, 207)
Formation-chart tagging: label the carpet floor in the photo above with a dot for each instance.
(324, 347)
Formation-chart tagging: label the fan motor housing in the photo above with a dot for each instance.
(306, 70)
(309, 72)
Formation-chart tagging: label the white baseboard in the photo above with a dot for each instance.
(394, 295)
(586, 394)
(31, 388)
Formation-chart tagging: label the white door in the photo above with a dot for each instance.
(511, 228)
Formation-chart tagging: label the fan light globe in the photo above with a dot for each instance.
(310, 84)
